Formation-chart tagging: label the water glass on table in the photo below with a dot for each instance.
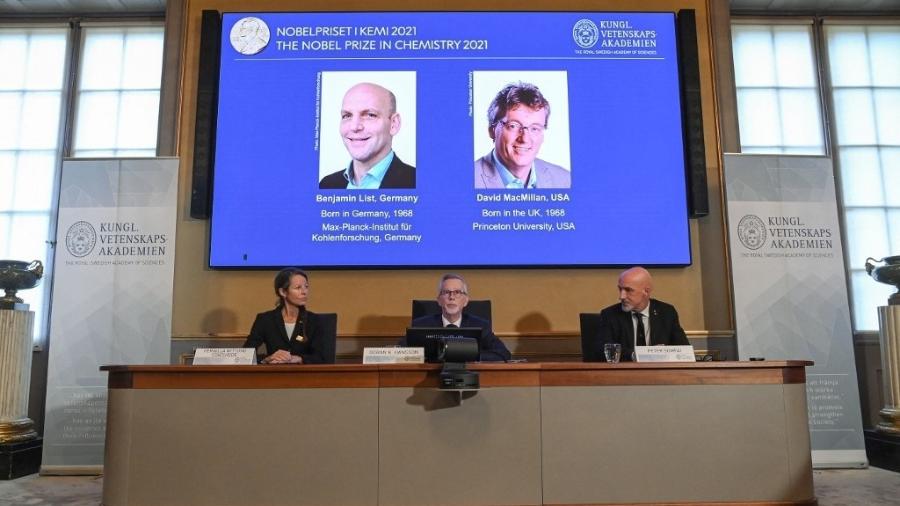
(613, 352)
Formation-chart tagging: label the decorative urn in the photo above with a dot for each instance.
(15, 276)
(888, 273)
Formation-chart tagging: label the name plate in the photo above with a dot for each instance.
(664, 353)
(224, 356)
(394, 355)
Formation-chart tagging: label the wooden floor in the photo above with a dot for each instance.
(856, 487)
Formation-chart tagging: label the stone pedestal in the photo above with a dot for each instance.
(20, 448)
(15, 375)
(889, 333)
(20, 459)
(883, 450)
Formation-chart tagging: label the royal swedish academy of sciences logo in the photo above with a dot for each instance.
(249, 36)
(752, 231)
(585, 33)
(81, 239)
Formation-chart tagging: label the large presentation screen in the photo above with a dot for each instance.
(464, 139)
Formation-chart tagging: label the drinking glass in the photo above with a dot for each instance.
(613, 352)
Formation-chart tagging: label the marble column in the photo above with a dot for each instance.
(889, 332)
(15, 375)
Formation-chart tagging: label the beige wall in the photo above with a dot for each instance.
(376, 303)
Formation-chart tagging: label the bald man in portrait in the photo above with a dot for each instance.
(369, 122)
(637, 319)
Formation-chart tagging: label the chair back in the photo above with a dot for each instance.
(328, 323)
(590, 332)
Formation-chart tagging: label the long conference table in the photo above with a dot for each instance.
(542, 433)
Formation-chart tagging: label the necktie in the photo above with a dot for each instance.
(641, 341)
(452, 326)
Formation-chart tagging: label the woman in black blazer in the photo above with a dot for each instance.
(292, 334)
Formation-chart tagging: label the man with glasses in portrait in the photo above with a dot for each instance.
(453, 295)
(517, 123)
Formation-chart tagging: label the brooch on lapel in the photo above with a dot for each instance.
(300, 338)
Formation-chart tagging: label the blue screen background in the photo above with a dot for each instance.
(627, 203)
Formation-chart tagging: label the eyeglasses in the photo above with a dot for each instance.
(514, 127)
(452, 293)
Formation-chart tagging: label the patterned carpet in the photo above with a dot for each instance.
(37, 490)
(845, 487)
(857, 487)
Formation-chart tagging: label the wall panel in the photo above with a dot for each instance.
(526, 301)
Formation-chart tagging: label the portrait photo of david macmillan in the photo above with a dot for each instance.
(518, 125)
(368, 122)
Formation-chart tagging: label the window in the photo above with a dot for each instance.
(864, 68)
(117, 115)
(777, 91)
(774, 64)
(32, 71)
(118, 91)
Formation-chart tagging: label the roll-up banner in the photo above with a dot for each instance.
(790, 289)
(112, 295)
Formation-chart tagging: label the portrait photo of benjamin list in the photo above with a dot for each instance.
(526, 147)
(367, 133)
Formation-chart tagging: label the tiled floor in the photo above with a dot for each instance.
(856, 487)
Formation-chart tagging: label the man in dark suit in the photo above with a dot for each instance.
(637, 320)
(453, 295)
(369, 122)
